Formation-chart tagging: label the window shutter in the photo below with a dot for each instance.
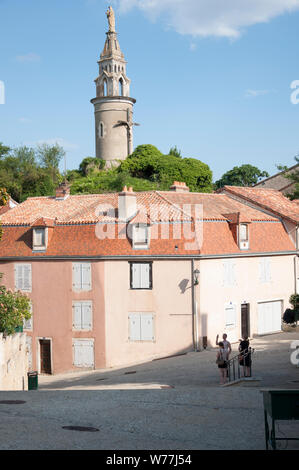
(147, 327)
(76, 276)
(145, 276)
(267, 270)
(136, 276)
(86, 316)
(86, 276)
(23, 276)
(77, 316)
(134, 327)
(230, 316)
(28, 324)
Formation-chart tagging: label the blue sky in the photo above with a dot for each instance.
(214, 82)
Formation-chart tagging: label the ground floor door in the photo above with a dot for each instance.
(45, 356)
(245, 320)
(269, 317)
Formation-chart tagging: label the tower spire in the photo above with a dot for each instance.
(113, 105)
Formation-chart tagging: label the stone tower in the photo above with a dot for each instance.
(113, 105)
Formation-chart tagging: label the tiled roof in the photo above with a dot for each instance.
(77, 217)
(269, 199)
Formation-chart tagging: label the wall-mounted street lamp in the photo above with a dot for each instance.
(196, 274)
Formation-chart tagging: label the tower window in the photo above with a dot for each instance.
(115, 68)
(101, 130)
(115, 44)
(121, 87)
(105, 87)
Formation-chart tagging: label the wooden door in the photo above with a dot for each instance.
(245, 320)
(45, 356)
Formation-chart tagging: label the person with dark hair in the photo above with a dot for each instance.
(226, 344)
(221, 361)
(245, 356)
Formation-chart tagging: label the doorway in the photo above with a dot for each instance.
(45, 356)
(245, 320)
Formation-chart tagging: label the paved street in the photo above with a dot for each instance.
(174, 403)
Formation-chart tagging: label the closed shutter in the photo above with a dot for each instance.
(147, 327)
(269, 317)
(87, 316)
(134, 327)
(136, 276)
(229, 274)
(28, 324)
(83, 353)
(29, 350)
(77, 316)
(145, 276)
(23, 276)
(82, 276)
(230, 316)
(86, 276)
(76, 276)
(265, 270)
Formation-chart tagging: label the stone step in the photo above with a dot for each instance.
(244, 382)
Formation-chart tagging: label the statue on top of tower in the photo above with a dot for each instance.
(111, 19)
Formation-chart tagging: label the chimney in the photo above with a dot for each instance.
(63, 191)
(179, 187)
(127, 204)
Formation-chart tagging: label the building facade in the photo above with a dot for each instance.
(122, 278)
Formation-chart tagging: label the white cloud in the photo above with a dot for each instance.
(222, 18)
(255, 93)
(68, 146)
(24, 120)
(31, 57)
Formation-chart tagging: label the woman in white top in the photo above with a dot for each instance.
(226, 344)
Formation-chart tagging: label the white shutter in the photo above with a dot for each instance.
(28, 324)
(23, 277)
(230, 316)
(86, 315)
(147, 327)
(229, 275)
(29, 349)
(134, 327)
(77, 316)
(76, 276)
(86, 276)
(145, 276)
(83, 352)
(136, 276)
(265, 270)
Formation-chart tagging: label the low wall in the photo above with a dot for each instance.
(13, 362)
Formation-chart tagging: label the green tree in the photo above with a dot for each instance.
(175, 152)
(245, 175)
(4, 151)
(14, 309)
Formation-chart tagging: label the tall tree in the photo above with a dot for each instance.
(245, 175)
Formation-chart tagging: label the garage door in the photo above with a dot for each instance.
(83, 352)
(269, 317)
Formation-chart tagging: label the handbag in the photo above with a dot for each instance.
(220, 361)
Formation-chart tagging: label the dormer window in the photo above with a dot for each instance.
(141, 237)
(39, 239)
(243, 237)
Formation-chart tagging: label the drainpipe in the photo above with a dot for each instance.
(194, 311)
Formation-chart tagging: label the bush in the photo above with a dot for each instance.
(14, 309)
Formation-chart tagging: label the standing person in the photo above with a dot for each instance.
(221, 361)
(226, 344)
(245, 356)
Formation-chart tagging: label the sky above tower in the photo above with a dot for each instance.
(211, 77)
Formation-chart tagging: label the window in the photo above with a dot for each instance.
(243, 237)
(141, 276)
(23, 277)
(28, 324)
(140, 237)
(265, 270)
(230, 316)
(82, 276)
(39, 239)
(83, 352)
(229, 275)
(105, 87)
(82, 315)
(141, 327)
(120, 87)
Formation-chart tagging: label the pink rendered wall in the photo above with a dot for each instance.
(52, 297)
